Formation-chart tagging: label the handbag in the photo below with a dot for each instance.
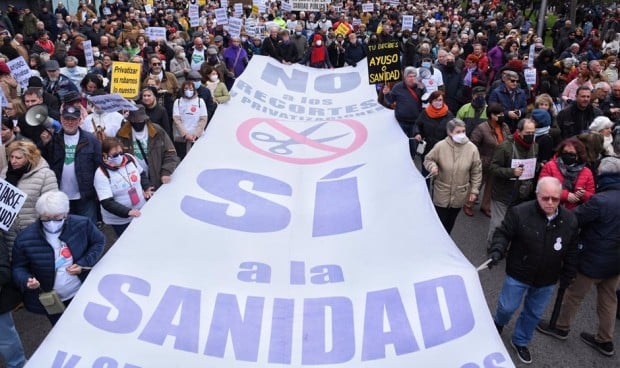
(51, 302)
(421, 147)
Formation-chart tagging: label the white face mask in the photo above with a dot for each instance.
(53, 226)
(116, 161)
(319, 42)
(460, 138)
(213, 78)
(608, 140)
(189, 93)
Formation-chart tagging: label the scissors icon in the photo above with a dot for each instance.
(282, 147)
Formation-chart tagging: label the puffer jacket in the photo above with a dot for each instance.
(599, 219)
(459, 172)
(9, 295)
(33, 256)
(584, 180)
(34, 183)
(540, 250)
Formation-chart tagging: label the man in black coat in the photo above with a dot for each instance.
(11, 346)
(576, 118)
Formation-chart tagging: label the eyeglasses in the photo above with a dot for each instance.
(155, 64)
(549, 198)
(115, 155)
(513, 80)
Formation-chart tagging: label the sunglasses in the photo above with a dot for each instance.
(155, 64)
(549, 198)
(513, 80)
(115, 155)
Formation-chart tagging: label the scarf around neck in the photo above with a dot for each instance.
(570, 173)
(434, 113)
(521, 142)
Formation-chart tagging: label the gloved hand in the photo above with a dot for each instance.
(565, 281)
(495, 256)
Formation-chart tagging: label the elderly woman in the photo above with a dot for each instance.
(602, 125)
(456, 166)
(31, 174)
(54, 253)
(433, 120)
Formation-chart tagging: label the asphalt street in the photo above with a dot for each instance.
(469, 234)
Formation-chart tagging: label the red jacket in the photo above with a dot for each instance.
(584, 180)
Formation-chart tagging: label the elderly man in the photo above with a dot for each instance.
(74, 155)
(197, 54)
(56, 83)
(539, 240)
(610, 106)
(596, 72)
(513, 98)
(576, 118)
(72, 71)
(600, 93)
(270, 44)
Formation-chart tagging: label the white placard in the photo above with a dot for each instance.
(3, 100)
(148, 9)
(155, 33)
(530, 76)
(531, 56)
(112, 102)
(221, 16)
(224, 4)
(394, 3)
(529, 167)
(286, 6)
(238, 10)
(11, 201)
(408, 22)
(107, 11)
(251, 31)
(194, 11)
(368, 7)
(313, 5)
(234, 26)
(356, 22)
(20, 71)
(194, 22)
(88, 53)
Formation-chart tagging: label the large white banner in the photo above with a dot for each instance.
(296, 232)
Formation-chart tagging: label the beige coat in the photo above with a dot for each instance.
(35, 182)
(459, 172)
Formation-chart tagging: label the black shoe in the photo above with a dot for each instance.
(522, 352)
(543, 327)
(499, 328)
(605, 348)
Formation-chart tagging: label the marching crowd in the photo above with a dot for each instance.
(528, 132)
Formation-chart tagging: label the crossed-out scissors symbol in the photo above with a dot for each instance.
(282, 147)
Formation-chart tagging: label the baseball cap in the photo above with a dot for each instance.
(71, 112)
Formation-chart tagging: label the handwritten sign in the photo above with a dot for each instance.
(529, 167)
(88, 53)
(126, 79)
(383, 62)
(11, 201)
(530, 76)
(408, 22)
(110, 103)
(20, 71)
(156, 33)
(368, 7)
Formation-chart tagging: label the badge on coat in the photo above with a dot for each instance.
(558, 244)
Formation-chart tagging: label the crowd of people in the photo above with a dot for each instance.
(498, 119)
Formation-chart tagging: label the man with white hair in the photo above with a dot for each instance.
(74, 72)
(535, 259)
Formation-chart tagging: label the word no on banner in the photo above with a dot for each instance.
(126, 79)
(383, 63)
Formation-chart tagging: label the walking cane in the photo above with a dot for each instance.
(556, 307)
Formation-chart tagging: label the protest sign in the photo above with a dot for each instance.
(530, 76)
(20, 71)
(220, 16)
(368, 7)
(11, 201)
(279, 208)
(394, 3)
(112, 102)
(148, 9)
(156, 33)
(224, 4)
(194, 22)
(342, 29)
(3, 100)
(408, 22)
(286, 6)
(356, 22)
(383, 62)
(88, 53)
(312, 5)
(234, 27)
(238, 10)
(126, 79)
(529, 167)
(194, 11)
(531, 56)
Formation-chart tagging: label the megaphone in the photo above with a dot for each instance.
(37, 116)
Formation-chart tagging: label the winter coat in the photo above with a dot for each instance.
(88, 158)
(9, 295)
(573, 121)
(584, 180)
(432, 130)
(161, 156)
(485, 138)
(506, 187)
(599, 220)
(501, 95)
(459, 172)
(34, 183)
(33, 256)
(177, 67)
(539, 250)
(408, 105)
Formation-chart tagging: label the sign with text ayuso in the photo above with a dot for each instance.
(284, 240)
(383, 62)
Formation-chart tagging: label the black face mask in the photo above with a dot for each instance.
(450, 65)
(528, 138)
(138, 127)
(500, 120)
(569, 158)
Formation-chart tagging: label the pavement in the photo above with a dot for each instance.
(469, 235)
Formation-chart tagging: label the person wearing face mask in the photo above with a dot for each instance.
(603, 125)
(215, 85)
(300, 42)
(510, 185)
(190, 118)
(475, 112)
(122, 185)
(336, 51)
(317, 55)
(487, 136)
(179, 66)
(101, 123)
(149, 144)
(54, 253)
(31, 174)
(74, 72)
(568, 166)
(455, 165)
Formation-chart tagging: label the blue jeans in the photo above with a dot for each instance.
(510, 297)
(84, 207)
(10, 344)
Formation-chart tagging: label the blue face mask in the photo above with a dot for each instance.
(426, 64)
(197, 84)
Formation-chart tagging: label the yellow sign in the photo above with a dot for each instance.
(126, 79)
(254, 9)
(202, 2)
(342, 29)
(149, 2)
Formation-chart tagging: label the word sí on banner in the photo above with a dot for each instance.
(383, 62)
(126, 79)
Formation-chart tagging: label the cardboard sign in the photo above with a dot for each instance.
(408, 22)
(20, 71)
(11, 201)
(113, 102)
(220, 16)
(88, 53)
(383, 62)
(155, 33)
(126, 79)
(368, 7)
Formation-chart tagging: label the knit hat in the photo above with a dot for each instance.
(600, 123)
(542, 118)
(4, 69)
